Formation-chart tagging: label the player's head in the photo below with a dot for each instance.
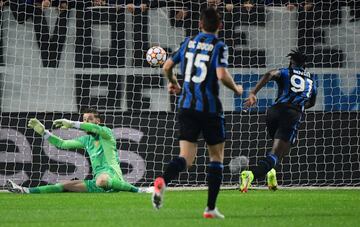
(210, 20)
(91, 115)
(297, 58)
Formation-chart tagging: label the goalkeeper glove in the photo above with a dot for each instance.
(37, 126)
(65, 123)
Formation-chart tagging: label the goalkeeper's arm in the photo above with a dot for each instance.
(87, 127)
(54, 140)
(63, 144)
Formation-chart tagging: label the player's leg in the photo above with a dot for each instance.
(189, 130)
(213, 128)
(282, 124)
(182, 162)
(177, 165)
(214, 177)
(75, 186)
(72, 186)
(264, 165)
(280, 149)
(110, 181)
(98, 185)
(284, 138)
(15, 188)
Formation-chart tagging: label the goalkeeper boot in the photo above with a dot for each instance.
(271, 180)
(213, 213)
(158, 194)
(247, 178)
(14, 188)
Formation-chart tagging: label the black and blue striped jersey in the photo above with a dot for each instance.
(295, 87)
(199, 57)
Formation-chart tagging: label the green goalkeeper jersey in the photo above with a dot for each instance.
(101, 147)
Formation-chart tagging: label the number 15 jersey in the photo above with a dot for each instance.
(199, 57)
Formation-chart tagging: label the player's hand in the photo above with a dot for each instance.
(130, 8)
(229, 7)
(248, 6)
(181, 14)
(63, 123)
(290, 6)
(2, 3)
(143, 8)
(174, 88)
(213, 2)
(63, 6)
(37, 126)
(250, 101)
(239, 89)
(98, 3)
(45, 4)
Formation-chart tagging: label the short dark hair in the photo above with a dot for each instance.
(210, 19)
(92, 111)
(297, 57)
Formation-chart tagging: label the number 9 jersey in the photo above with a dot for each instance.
(199, 57)
(295, 87)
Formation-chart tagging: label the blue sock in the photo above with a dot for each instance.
(215, 174)
(176, 166)
(265, 165)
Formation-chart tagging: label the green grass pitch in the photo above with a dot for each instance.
(183, 208)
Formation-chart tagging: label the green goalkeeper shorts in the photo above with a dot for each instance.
(91, 184)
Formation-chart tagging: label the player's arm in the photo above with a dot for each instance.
(54, 140)
(63, 144)
(173, 85)
(85, 126)
(168, 71)
(222, 72)
(311, 102)
(270, 75)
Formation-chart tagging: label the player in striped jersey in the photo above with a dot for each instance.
(296, 92)
(203, 60)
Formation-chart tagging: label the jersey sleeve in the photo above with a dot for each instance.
(67, 144)
(102, 131)
(176, 57)
(284, 72)
(222, 56)
(314, 88)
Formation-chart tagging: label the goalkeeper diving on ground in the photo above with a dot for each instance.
(99, 143)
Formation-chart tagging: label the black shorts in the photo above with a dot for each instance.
(192, 122)
(282, 122)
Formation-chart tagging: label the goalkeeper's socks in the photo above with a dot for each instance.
(47, 189)
(215, 173)
(265, 165)
(119, 185)
(176, 166)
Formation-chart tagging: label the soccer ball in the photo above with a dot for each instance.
(237, 164)
(156, 56)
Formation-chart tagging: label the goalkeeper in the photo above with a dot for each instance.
(99, 143)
